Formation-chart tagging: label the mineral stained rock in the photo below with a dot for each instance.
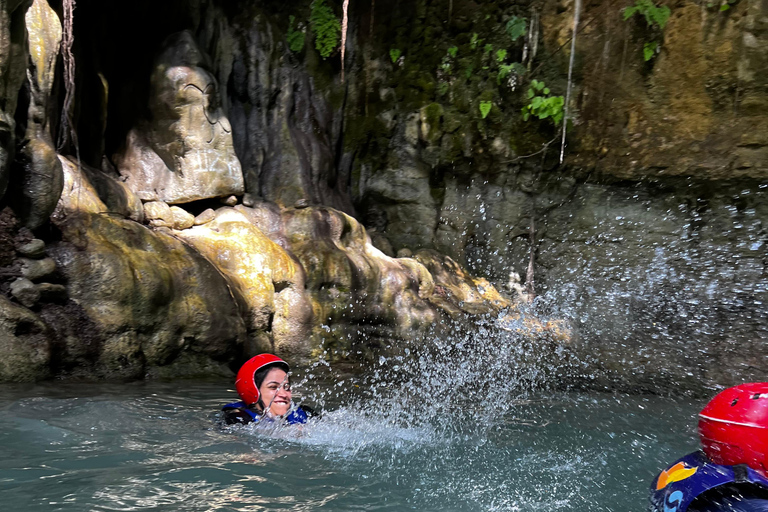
(13, 50)
(150, 295)
(38, 180)
(185, 152)
(264, 274)
(90, 190)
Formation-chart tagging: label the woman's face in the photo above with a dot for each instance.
(277, 390)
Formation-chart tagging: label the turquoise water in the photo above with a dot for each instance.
(155, 446)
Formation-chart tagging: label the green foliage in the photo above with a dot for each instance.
(649, 50)
(475, 41)
(721, 5)
(468, 72)
(394, 54)
(506, 69)
(325, 26)
(485, 108)
(542, 105)
(501, 55)
(487, 49)
(294, 36)
(516, 28)
(442, 88)
(452, 51)
(654, 16)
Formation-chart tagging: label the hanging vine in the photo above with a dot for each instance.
(67, 132)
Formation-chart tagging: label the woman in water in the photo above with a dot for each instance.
(265, 391)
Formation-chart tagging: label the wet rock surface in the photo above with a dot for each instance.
(650, 237)
(24, 344)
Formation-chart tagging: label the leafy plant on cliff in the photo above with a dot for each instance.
(516, 28)
(654, 15)
(506, 69)
(394, 54)
(722, 5)
(485, 108)
(656, 18)
(649, 50)
(325, 26)
(295, 36)
(543, 105)
(475, 41)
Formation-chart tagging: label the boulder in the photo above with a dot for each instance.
(25, 291)
(362, 294)
(182, 219)
(24, 344)
(205, 217)
(265, 275)
(148, 296)
(158, 214)
(35, 270)
(90, 190)
(184, 153)
(33, 249)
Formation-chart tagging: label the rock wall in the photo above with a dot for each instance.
(223, 170)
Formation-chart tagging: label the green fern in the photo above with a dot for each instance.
(654, 15)
(485, 108)
(326, 28)
(649, 50)
(295, 37)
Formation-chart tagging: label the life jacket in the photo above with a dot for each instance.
(696, 476)
(243, 414)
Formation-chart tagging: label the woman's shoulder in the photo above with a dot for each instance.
(301, 415)
(238, 413)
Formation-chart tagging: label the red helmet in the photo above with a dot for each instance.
(734, 426)
(245, 383)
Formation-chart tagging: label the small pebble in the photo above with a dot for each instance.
(25, 292)
(182, 219)
(34, 249)
(35, 270)
(205, 217)
(229, 201)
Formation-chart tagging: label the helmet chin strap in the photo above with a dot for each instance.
(266, 410)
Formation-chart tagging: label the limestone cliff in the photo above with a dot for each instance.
(293, 191)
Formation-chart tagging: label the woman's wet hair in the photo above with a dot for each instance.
(261, 374)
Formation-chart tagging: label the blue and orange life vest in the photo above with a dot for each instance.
(238, 412)
(694, 482)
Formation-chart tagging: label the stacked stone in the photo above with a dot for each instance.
(37, 268)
